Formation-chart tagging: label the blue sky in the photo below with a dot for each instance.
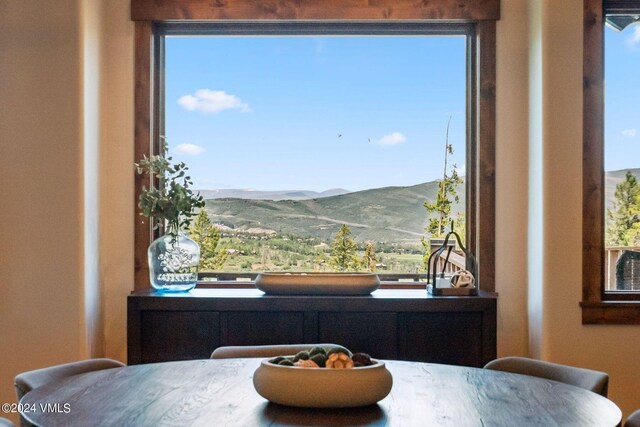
(314, 113)
(622, 98)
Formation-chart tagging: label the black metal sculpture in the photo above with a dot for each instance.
(470, 262)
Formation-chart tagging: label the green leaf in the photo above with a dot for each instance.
(172, 201)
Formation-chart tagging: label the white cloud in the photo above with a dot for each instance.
(630, 132)
(461, 170)
(394, 138)
(188, 149)
(634, 39)
(212, 101)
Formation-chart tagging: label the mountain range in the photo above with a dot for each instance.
(387, 214)
(270, 195)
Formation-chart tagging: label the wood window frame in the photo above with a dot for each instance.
(598, 306)
(481, 15)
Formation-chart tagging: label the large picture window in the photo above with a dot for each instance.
(321, 151)
(303, 127)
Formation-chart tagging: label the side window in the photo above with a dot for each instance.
(622, 154)
(611, 147)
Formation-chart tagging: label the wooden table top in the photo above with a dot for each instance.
(220, 393)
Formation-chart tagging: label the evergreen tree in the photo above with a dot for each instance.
(624, 217)
(369, 259)
(440, 210)
(343, 251)
(460, 227)
(426, 244)
(205, 234)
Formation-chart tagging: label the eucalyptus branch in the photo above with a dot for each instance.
(171, 201)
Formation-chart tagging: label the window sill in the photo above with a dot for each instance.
(384, 284)
(611, 313)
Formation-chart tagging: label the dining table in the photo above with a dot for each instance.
(221, 393)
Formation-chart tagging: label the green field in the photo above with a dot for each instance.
(255, 253)
(296, 235)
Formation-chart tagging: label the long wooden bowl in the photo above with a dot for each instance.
(317, 283)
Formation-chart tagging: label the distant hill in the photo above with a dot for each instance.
(388, 214)
(270, 195)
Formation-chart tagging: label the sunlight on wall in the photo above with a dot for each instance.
(91, 77)
(535, 232)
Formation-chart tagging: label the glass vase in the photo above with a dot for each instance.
(173, 262)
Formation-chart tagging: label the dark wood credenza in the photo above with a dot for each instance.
(402, 324)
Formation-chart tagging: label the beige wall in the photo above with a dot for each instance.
(612, 349)
(117, 195)
(539, 147)
(52, 303)
(511, 178)
(41, 196)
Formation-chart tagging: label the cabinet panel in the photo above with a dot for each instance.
(263, 328)
(364, 332)
(453, 338)
(403, 324)
(178, 335)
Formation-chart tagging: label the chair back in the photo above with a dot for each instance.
(27, 381)
(633, 420)
(595, 381)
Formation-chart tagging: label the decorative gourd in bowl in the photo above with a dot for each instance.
(335, 379)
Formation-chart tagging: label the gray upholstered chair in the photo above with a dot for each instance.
(6, 423)
(595, 381)
(633, 420)
(30, 380)
(230, 352)
(27, 381)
